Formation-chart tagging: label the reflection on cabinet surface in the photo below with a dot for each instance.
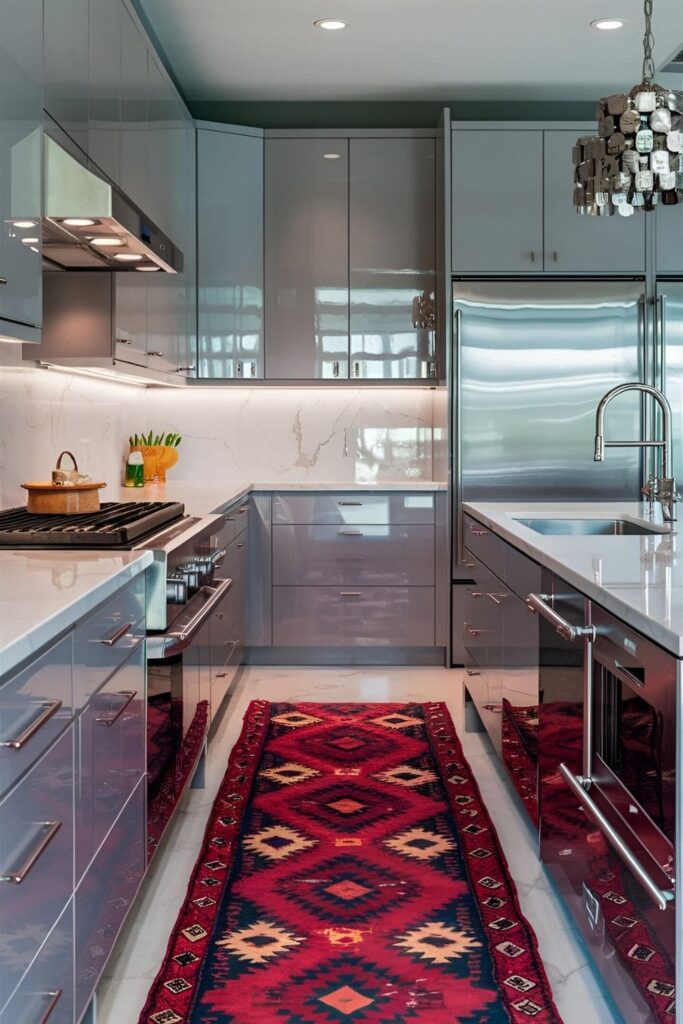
(104, 87)
(497, 204)
(66, 70)
(306, 258)
(392, 247)
(230, 252)
(21, 118)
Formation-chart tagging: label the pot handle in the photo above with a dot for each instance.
(71, 456)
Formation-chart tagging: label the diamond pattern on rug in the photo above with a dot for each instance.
(438, 942)
(295, 719)
(343, 891)
(289, 773)
(420, 844)
(407, 775)
(277, 842)
(260, 942)
(347, 744)
(396, 720)
(345, 806)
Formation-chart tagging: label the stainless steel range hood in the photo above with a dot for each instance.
(90, 225)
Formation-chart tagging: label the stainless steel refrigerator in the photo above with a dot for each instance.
(668, 360)
(531, 359)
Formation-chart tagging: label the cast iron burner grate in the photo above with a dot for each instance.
(114, 525)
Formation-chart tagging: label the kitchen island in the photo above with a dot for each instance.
(583, 700)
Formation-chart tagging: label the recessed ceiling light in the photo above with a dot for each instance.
(331, 156)
(607, 24)
(128, 257)
(79, 222)
(107, 240)
(331, 24)
(24, 223)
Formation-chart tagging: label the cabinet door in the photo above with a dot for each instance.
(584, 244)
(669, 243)
(392, 250)
(230, 253)
(65, 47)
(306, 261)
(21, 162)
(133, 156)
(104, 90)
(187, 240)
(131, 289)
(166, 155)
(497, 208)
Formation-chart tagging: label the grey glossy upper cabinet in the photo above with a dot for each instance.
(392, 251)
(583, 244)
(230, 251)
(306, 258)
(21, 120)
(497, 202)
(66, 66)
(512, 209)
(104, 85)
(133, 150)
(669, 240)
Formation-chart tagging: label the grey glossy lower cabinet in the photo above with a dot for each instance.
(367, 616)
(72, 809)
(365, 555)
(348, 577)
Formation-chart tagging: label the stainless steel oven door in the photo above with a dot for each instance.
(177, 663)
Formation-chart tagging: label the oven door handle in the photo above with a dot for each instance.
(660, 897)
(538, 603)
(179, 639)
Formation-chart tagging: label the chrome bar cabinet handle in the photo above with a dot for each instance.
(50, 708)
(660, 897)
(17, 877)
(537, 603)
(117, 634)
(112, 717)
(350, 533)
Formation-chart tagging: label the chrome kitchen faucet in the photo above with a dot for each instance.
(663, 487)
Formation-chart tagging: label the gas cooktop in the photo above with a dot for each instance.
(114, 525)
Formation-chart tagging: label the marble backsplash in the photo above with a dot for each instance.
(276, 434)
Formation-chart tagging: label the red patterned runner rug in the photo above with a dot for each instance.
(350, 873)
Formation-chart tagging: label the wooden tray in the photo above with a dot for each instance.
(45, 498)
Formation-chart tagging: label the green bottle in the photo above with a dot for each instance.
(135, 470)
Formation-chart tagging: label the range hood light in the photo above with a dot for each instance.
(30, 241)
(24, 223)
(148, 268)
(107, 240)
(79, 222)
(128, 257)
(34, 248)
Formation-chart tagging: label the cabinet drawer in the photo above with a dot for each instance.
(365, 555)
(241, 514)
(45, 993)
(35, 706)
(484, 544)
(106, 893)
(36, 852)
(111, 755)
(105, 639)
(353, 508)
(367, 616)
(222, 677)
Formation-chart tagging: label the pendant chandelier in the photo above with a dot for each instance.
(635, 162)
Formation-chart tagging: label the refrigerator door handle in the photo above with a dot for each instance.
(458, 548)
(660, 344)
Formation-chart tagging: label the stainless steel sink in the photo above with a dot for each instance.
(588, 527)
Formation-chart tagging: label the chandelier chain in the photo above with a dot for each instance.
(648, 44)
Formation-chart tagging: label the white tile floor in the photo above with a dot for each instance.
(141, 946)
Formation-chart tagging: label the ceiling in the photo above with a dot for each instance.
(401, 50)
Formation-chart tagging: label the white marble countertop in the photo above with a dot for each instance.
(43, 593)
(202, 497)
(638, 578)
